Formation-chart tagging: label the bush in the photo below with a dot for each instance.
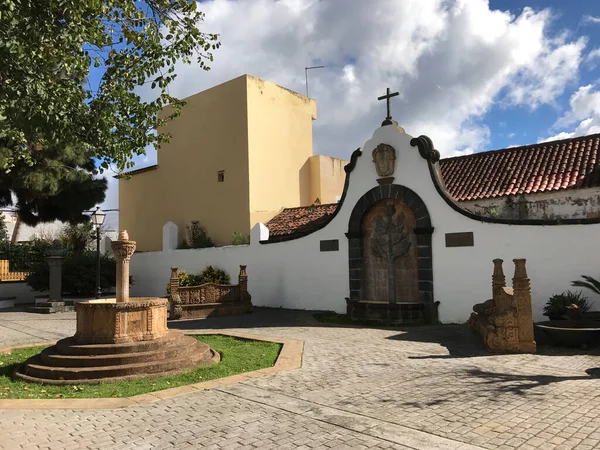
(78, 275)
(208, 275)
(556, 306)
(197, 236)
(240, 239)
(76, 238)
(25, 256)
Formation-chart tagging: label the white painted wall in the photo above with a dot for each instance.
(22, 292)
(296, 274)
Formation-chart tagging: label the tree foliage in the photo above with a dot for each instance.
(3, 229)
(55, 117)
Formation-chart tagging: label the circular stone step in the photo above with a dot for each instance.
(70, 363)
(50, 356)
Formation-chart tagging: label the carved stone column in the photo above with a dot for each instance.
(174, 281)
(123, 248)
(243, 282)
(522, 299)
(55, 258)
(498, 278)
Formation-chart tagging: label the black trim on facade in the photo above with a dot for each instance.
(427, 151)
(423, 230)
(323, 221)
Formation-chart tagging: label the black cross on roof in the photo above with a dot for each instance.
(387, 97)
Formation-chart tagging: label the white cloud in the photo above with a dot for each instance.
(584, 112)
(451, 61)
(593, 56)
(591, 19)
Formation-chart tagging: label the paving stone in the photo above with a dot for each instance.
(437, 381)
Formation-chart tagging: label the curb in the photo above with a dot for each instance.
(290, 358)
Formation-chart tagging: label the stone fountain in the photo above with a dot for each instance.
(118, 339)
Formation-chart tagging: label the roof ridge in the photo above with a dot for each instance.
(521, 147)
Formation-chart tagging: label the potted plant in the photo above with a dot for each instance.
(556, 306)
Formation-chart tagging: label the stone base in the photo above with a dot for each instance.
(204, 310)
(386, 313)
(51, 307)
(107, 321)
(69, 362)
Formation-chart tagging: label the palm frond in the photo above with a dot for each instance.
(590, 283)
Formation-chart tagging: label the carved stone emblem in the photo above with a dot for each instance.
(384, 157)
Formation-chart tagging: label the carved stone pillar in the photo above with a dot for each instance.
(522, 299)
(243, 282)
(174, 281)
(498, 278)
(55, 258)
(123, 248)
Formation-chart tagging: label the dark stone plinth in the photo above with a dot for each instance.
(387, 313)
(204, 310)
(51, 307)
(69, 362)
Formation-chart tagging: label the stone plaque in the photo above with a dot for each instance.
(331, 245)
(384, 157)
(460, 239)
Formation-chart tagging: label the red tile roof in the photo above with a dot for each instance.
(300, 219)
(548, 166)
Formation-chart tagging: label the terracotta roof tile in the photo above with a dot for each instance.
(548, 166)
(296, 220)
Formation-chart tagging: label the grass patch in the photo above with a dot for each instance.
(237, 356)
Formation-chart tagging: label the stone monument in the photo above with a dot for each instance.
(118, 339)
(55, 257)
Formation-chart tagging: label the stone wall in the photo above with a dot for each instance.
(569, 204)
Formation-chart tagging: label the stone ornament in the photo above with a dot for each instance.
(123, 249)
(506, 321)
(384, 157)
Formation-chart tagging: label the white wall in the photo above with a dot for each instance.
(22, 292)
(296, 274)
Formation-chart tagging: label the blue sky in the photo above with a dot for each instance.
(517, 126)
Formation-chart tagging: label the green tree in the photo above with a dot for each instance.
(76, 238)
(3, 229)
(54, 117)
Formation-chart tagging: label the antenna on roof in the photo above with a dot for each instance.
(306, 69)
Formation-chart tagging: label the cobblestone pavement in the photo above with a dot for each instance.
(420, 388)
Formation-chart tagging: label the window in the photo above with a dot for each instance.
(221, 176)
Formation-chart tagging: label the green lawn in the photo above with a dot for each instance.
(237, 356)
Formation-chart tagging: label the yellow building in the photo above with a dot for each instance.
(240, 152)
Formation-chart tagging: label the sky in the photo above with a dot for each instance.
(473, 75)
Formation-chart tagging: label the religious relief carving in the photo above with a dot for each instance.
(390, 236)
(384, 157)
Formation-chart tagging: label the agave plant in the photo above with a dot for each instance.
(588, 283)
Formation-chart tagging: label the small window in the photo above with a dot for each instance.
(221, 176)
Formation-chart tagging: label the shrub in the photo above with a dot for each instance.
(197, 236)
(240, 239)
(217, 276)
(556, 306)
(76, 238)
(208, 275)
(25, 256)
(78, 274)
